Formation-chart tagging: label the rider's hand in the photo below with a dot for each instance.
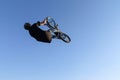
(45, 22)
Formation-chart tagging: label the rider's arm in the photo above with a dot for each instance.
(41, 23)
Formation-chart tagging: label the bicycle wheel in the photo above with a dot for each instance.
(51, 22)
(65, 37)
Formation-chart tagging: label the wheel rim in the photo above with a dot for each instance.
(51, 21)
(65, 38)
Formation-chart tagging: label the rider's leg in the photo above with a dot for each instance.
(53, 35)
(57, 35)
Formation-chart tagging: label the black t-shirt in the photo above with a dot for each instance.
(39, 34)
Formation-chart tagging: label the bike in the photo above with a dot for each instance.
(54, 29)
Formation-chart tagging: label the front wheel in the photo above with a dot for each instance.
(65, 37)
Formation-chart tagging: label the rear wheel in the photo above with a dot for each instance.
(65, 37)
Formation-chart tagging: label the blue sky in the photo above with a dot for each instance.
(93, 54)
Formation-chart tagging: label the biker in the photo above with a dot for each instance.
(37, 33)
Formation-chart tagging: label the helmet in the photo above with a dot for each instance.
(27, 26)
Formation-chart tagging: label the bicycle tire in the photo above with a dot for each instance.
(51, 22)
(64, 37)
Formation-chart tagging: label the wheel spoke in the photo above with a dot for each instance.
(65, 38)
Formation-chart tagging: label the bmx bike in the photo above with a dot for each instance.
(56, 31)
